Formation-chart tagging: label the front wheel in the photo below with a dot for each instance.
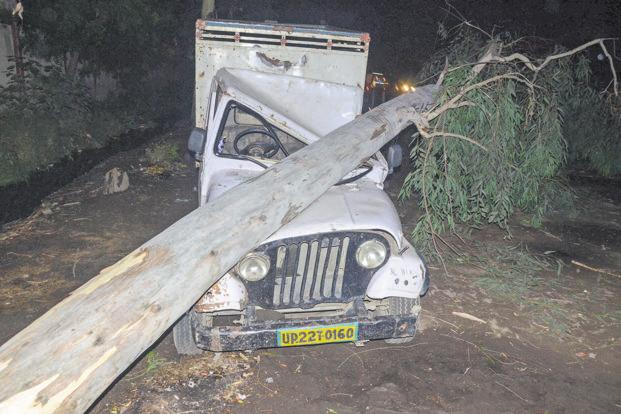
(184, 338)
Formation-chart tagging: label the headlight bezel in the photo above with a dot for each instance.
(258, 258)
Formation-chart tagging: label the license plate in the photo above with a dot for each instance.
(323, 334)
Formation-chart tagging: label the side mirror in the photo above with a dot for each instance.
(196, 141)
(394, 157)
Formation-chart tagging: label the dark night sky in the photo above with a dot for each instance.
(404, 32)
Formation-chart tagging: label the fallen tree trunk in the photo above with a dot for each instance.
(65, 359)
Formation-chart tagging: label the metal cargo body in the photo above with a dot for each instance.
(311, 52)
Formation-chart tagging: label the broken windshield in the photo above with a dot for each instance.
(246, 134)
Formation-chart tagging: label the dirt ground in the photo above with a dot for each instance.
(512, 325)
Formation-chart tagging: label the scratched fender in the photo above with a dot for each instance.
(403, 275)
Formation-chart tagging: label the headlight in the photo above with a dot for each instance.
(371, 254)
(253, 267)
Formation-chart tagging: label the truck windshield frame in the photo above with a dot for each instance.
(218, 145)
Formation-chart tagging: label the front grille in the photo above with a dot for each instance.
(312, 269)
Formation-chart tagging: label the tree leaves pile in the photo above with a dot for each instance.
(527, 125)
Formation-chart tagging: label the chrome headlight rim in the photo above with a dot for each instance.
(243, 267)
(375, 246)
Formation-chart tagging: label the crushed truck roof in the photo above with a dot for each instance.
(306, 108)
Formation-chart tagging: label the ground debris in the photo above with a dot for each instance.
(115, 181)
(469, 317)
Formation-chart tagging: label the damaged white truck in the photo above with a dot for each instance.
(342, 270)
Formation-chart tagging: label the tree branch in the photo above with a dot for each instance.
(453, 102)
(529, 64)
(451, 135)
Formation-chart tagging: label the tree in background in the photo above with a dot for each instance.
(131, 40)
(145, 46)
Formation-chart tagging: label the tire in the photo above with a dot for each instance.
(184, 338)
(401, 306)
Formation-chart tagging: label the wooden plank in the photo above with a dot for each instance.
(65, 359)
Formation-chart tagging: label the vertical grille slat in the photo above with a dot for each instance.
(340, 271)
(321, 269)
(310, 271)
(329, 278)
(309, 280)
(280, 272)
(300, 272)
(290, 266)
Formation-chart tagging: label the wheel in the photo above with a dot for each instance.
(184, 338)
(401, 306)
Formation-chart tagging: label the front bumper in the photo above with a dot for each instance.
(263, 334)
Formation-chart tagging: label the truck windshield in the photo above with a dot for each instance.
(244, 133)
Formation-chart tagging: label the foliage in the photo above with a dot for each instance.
(121, 37)
(163, 159)
(43, 88)
(46, 115)
(513, 274)
(592, 123)
(145, 46)
(162, 152)
(505, 147)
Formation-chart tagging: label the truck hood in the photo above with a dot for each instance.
(360, 205)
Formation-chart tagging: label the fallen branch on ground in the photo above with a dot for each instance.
(594, 269)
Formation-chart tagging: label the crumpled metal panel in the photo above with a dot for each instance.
(228, 293)
(312, 52)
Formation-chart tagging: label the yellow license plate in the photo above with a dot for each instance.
(323, 334)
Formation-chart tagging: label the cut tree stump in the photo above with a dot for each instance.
(66, 359)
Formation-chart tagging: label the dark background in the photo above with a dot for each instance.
(404, 32)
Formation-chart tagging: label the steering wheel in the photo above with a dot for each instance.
(366, 169)
(259, 149)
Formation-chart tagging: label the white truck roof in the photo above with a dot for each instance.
(303, 51)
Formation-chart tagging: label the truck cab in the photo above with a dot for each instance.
(342, 270)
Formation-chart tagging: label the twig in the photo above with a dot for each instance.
(513, 392)
(551, 235)
(612, 68)
(452, 10)
(451, 135)
(486, 351)
(441, 320)
(443, 73)
(594, 269)
(529, 64)
(19, 254)
(358, 356)
(74, 265)
(469, 317)
(379, 349)
(454, 101)
(449, 245)
(490, 53)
